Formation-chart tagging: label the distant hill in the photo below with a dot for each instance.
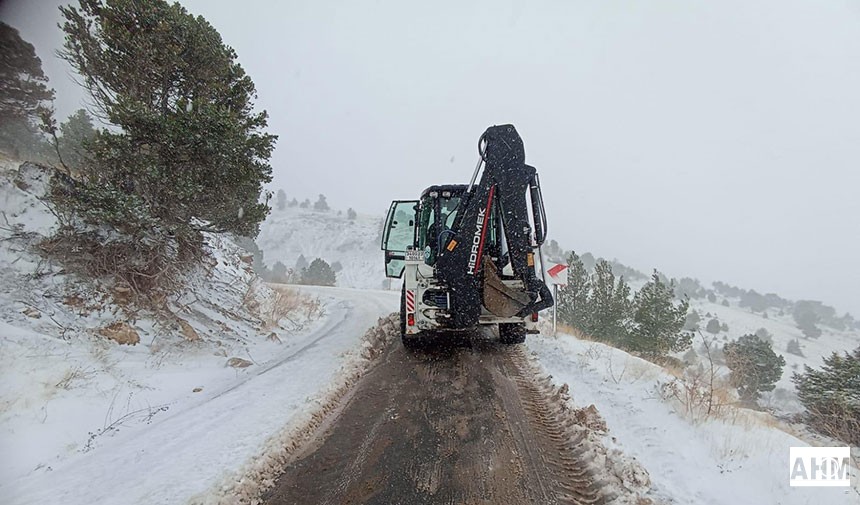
(353, 243)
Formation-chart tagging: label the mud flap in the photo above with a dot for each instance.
(500, 299)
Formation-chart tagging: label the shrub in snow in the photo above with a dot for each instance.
(713, 326)
(793, 347)
(831, 396)
(765, 335)
(321, 205)
(690, 357)
(686, 288)
(806, 317)
(754, 366)
(319, 273)
(692, 321)
(279, 273)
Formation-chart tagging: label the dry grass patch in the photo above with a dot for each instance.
(293, 306)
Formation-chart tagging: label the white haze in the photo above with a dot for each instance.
(713, 139)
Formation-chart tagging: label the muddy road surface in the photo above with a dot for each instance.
(468, 424)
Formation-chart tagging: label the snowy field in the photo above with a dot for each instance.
(199, 440)
(198, 392)
(354, 243)
(782, 329)
(741, 457)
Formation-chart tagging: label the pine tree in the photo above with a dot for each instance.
(572, 303)
(765, 335)
(279, 273)
(622, 306)
(23, 84)
(321, 205)
(806, 316)
(76, 133)
(658, 322)
(713, 326)
(691, 322)
(793, 347)
(831, 396)
(754, 366)
(608, 317)
(281, 199)
(187, 142)
(25, 94)
(350, 214)
(319, 273)
(301, 263)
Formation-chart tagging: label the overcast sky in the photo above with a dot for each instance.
(718, 140)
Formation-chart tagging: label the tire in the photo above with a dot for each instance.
(410, 342)
(512, 333)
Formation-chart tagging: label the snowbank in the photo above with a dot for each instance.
(742, 458)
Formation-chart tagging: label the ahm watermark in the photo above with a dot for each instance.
(819, 466)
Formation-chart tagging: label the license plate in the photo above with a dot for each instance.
(414, 255)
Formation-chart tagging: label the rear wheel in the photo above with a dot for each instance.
(409, 341)
(512, 333)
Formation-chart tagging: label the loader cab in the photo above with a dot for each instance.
(420, 225)
(437, 211)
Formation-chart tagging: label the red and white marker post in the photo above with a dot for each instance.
(557, 277)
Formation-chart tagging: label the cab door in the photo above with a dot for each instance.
(398, 235)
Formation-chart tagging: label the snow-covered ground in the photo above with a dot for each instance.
(198, 409)
(782, 329)
(740, 457)
(203, 438)
(202, 391)
(354, 243)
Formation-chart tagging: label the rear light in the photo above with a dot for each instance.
(410, 319)
(534, 317)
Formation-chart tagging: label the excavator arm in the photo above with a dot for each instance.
(499, 201)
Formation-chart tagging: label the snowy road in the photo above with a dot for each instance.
(463, 424)
(187, 451)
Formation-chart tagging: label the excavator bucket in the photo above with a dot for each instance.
(500, 299)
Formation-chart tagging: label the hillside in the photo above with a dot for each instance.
(286, 234)
(782, 329)
(93, 384)
(354, 243)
